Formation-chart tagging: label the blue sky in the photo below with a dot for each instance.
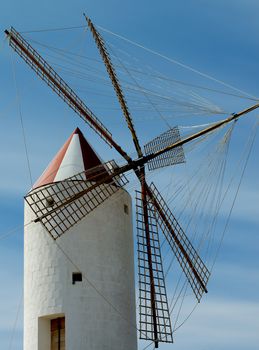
(219, 38)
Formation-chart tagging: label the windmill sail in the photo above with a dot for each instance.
(192, 265)
(151, 281)
(62, 204)
(115, 82)
(172, 157)
(57, 84)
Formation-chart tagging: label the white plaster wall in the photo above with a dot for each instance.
(101, 245)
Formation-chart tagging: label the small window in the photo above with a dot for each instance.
(76, 277)
(126, 209)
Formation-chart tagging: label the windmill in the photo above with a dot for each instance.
(104, 181)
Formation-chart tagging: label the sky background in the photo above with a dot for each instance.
(219, 38)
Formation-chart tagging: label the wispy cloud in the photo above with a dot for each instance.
(220, 325)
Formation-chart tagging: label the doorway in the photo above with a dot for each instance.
(58, 333)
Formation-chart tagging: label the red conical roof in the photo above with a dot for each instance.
(75, 156)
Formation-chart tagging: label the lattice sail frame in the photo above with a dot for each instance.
(164, 328)
(54, 206)
(172, 157)
(191, 254)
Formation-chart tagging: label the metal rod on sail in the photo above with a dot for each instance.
(150, 264)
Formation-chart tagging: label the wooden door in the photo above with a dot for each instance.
(58, 334)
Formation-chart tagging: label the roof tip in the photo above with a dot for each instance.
(77, 131)
(76, 156)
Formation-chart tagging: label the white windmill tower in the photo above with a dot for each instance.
(62, 310)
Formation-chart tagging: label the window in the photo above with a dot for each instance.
(76, 277)
(126, 209)
(58, 333)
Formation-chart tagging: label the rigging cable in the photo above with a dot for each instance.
(150, 51)
(21, 121)
(52, 29)
(15, 322)
(13, 230)
(185, 66)
(186, 319)
(226, 136)
(180, 308)
(158, 76)
(250, 147)
(249, 152)
(199, 102)
(3, 236)
(10, 232)
(177, 62)
(142, 90)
